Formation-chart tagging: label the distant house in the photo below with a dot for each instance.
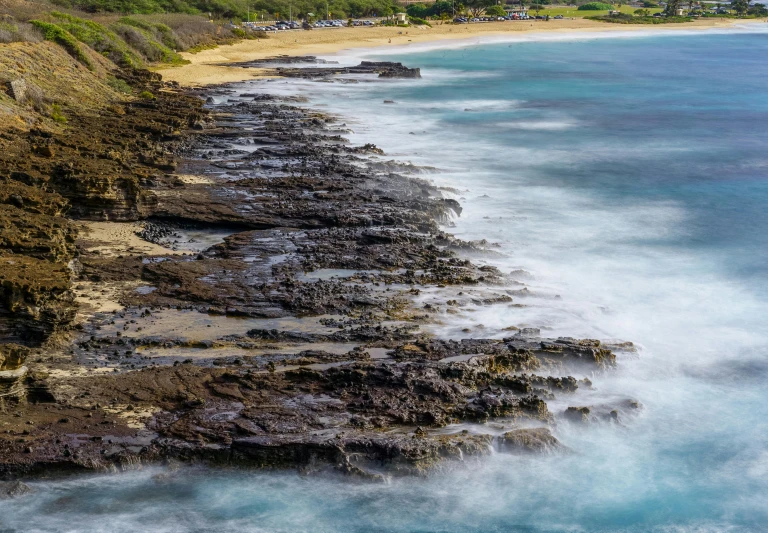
(401, 18)
(517, 11)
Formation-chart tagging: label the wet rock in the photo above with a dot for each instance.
(384, 69)
(578, 415)
(315, 226)
(13, 489)
(12, 356)
(529, 440)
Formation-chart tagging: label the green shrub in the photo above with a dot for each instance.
(419, 22)
(417, 11)
(210, 45)
(99, 38)
(63, 38)
(628, 19)
(118, 85)
(146, 43)
(239, 9)
(161, 31)
(191, 32)
(595, 6)
(146, 95)
(57, 115)
(495, 11)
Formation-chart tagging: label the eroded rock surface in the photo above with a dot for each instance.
(278, 318)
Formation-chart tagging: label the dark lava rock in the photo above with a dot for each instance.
(531, 440)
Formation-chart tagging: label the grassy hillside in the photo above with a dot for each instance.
(235, 9)
(128, 41)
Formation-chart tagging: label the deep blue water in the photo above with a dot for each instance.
(681, 119)
(630, 177)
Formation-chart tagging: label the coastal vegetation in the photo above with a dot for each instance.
(641, 16)
(12, 31)
(595, 6)
(237, 9)
(435, 9)
(134, 41)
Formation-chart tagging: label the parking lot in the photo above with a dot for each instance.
(283, 25)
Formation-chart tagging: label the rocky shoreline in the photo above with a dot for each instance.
(237, 284)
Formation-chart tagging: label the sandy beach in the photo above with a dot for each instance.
(207, 67)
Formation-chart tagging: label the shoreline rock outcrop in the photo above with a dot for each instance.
(275, 320)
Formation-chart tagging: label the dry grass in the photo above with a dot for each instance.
(191, 31)
(13, 31)
(23, 10)
(69, 84)
(187, 32)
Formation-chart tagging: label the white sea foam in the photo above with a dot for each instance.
(540, 125)
(687, 318)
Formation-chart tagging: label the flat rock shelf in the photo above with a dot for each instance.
(272, 316)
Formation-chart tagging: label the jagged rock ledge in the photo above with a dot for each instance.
(384, 69)
(271, 317)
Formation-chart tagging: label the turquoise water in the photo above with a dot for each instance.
(629, 176)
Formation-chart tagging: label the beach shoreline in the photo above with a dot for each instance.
(212, 67)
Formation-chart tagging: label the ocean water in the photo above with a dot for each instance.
(629, 176)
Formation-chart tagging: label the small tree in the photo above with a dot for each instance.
(740, 7)
(672, 7)
(495, 11)
(440, 7)
(477, 7)
(417, 11)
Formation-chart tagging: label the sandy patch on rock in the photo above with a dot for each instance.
(134, 417)
(102, 297)
(195, 179)
(111, 239)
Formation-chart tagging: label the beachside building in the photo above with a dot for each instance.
(522, 10)
(401, 18)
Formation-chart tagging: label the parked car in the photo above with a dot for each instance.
(558, 17)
